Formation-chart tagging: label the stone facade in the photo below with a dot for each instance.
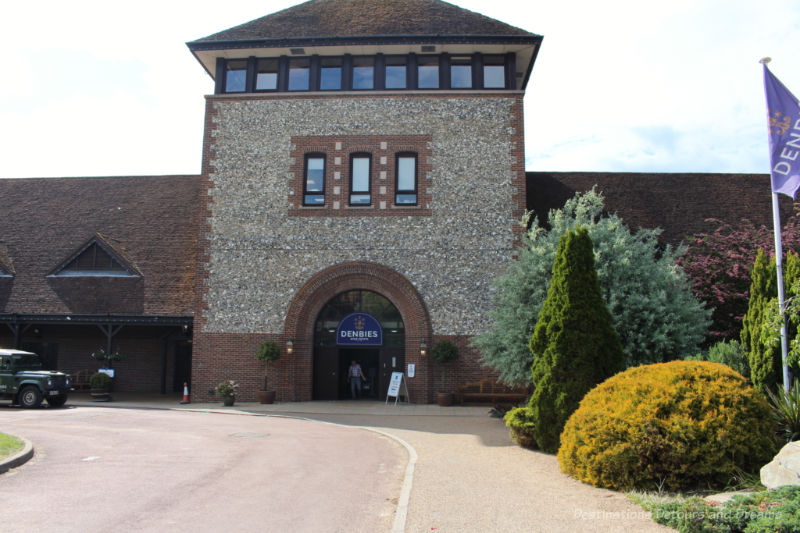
(259, 257)
(269, 263)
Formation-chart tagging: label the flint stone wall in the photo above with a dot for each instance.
(259, 257)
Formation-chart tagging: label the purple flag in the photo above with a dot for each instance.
(783, 113)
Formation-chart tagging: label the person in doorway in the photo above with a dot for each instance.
(355, 376)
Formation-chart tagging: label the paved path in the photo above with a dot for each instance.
(98, 470)
(469, 476)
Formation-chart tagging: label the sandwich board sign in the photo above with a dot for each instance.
(395, 384)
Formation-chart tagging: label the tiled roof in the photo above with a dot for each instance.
(365, 18)
(151, 220)
(680, 204)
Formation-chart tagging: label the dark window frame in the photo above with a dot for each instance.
(351, 191)
(258, 71)
(412, 62)
(227, 70)
(355, 65)
(397, 190)
(429, 60)
(306, 192)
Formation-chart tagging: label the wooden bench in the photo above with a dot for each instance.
(80, 379)
(489, 391)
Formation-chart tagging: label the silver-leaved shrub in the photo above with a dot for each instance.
(654, 312)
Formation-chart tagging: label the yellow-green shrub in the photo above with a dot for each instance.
(520, 426)
(677, 425)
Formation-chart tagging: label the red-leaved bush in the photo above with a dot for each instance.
(719, 263)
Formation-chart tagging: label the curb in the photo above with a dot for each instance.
(18, 459)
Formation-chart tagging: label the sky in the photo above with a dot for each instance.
(95, 88)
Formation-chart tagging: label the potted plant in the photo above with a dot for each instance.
(107, 359)
(100, 384)
(227, 391)
(444, 352)
(268, 351)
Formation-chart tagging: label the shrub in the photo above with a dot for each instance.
(652, 307)
(761, 325)
(678, 425)
(730, 353)
(718, 264)
(520, 426)
(775, 511)
(574, 344)
(786, 411)
(98, 380)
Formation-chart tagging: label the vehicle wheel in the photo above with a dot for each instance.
(30, 397)
(57, 401)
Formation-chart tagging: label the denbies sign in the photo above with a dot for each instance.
(359, 329)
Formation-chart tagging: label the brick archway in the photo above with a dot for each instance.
(328, 283)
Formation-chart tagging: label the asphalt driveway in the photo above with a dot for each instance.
(153, 470)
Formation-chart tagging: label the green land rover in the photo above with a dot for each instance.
(23, 381)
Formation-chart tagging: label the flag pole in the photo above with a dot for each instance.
(776, 223)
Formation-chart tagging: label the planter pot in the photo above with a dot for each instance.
(227, 401)
(444, 398)
(100, 395)
(266, 396)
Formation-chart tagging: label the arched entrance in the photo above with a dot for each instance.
(324, 287)
(334, 348)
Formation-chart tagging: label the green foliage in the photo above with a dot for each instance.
(776, 511)
(761, 325)
(444, 352)
(730, 353)
(98, 380)
(653, 310)
(574, 344)
(675, 426)
(268, 351)
(786, 410)
(520, 426)
(107, 358)
(226, 389)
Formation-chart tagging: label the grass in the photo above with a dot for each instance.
(9, 445)
(759, 511)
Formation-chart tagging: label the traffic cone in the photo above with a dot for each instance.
(186, 393)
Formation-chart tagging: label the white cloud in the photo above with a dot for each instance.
(622, 85)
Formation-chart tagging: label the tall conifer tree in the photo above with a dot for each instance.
(574, 344)
(760, 342)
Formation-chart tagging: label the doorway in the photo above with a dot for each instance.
(331, 360)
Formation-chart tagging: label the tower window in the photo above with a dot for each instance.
(461, 73)
(235, 76)
(314, 184)
(299, 74)
(363, 73)
(494, 72)
(428, 72)
(267, 75)
(406, 172)
(360, 179)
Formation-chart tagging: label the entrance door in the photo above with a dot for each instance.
(377, 359)
(326, 373)
(368, 359)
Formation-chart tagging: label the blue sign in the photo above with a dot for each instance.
(359, 329)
